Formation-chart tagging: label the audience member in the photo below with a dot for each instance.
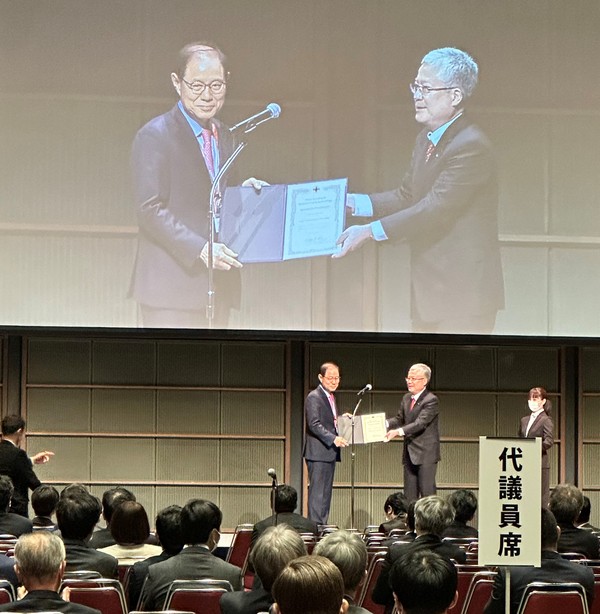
(583, 522)
(11, 524)
(43, 501)
(200, 526)
(168, 530)
(76, 516)
(273, 550)
(348, 552)
(111, 499)
(130, 529)
(424, 582)
(286, 500)
(394, 508)
(309, 585)
(553, 569)
(464, 504)
(74, 490)
(40, 565)
(432, 516)
(566, 502)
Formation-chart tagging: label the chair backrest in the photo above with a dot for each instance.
(240, 546)
(465, 575)
(595, 607)
(199, 596)
(364, 599)
(479, 593)
(107, 599)
(7, 592)
(545, 597)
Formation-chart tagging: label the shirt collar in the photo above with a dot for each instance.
(435, 135)
(194, 125)
(418, 394)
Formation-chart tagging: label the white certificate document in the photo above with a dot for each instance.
(368, 428)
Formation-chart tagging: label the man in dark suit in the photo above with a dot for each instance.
(40, 565)
(432, 516)
(286, 500)
(15, 463)
(417, 422)
(553, 569)
(445, 208)
(44, 500)
(11, 524)
(395, 509)
(77, 514)
(111, 498)
(464, 504)
(200, 526)
(322, 442)
(175, 158)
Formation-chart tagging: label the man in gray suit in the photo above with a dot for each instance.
(200, 526)
(417, 422)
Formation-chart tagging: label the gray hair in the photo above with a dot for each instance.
(432, 515)
(423, 368)
(348, 552)
(454, 67)
(39, 555)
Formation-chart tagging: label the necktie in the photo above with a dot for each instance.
(333, 409)
(412, 402)
(429, 152)
(207, 150)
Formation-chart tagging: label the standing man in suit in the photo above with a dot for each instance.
(322, 441)
(445, 208)
(175, 158)
(417, 422)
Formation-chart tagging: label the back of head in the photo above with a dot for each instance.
(397, 502)
(74, 490)
(6, 492)
(309, 585)
(464, 504)
(44, 499)
(566, 502)
(273, 550)
(77, 515)
(549, 530)
(11, 424)
(129, 523)
(423, 582)
(286, 498)
(586, 510)
(168, 529)
(432, 515)
(410, 516)
(348, 552)
(198, 518)
(112, 498)
(38, 557)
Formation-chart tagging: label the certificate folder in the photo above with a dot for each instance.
(368, 428)
(282, 222)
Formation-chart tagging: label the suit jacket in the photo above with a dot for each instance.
(15, 463)
(396, 523)
(46, 601)
(80, 556)
(300, 523)
(542, 427)
(138, 574)
(320, 428)
(573, 539)
(382, 593)
(7, 570)
(460, 529)
(420, 424)
(242, 602)
(554, 569)
(172, 187)
(446, 209)
(13, 524)
(192, 563)
(102, 538)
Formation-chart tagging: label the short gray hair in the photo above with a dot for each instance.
(454, 67)
(432, 515)
(423, 368)
(348, 552)
(39, 555)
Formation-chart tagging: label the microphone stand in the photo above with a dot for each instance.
(273, 492)
(353, 461)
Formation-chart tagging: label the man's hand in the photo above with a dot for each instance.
(42, 457)
(340, 442)
(352, 238)
(391, 435)
(223, 257)
(253, 182)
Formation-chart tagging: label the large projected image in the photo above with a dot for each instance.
(419, 183)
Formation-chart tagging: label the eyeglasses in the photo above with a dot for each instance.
(413, 379)
(329, 378)
(197, 87)
(425, 90)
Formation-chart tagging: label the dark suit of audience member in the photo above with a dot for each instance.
(7, 570)
(11, 524)
(553, 569)
(460, 529)
(15, 463)
(46, 601)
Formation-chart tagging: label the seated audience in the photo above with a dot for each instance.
(40, 565)
(43, 501)
(10, 523)
(309, 585)
(111, 499)
(394, 508)
(77, 514)
(200, 526)
(130, 529)
(554, 569)
(168, 531)
(273, 550)
(424, 582)
(348, 552)
(566, 502)
(432, 515)
(583, 522)
(286, 500)
(7, 570)
(464, 504)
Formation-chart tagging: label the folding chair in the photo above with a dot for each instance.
(545, 597)
(239, 551)
(107, 599)
(479, 593)
(364, 599)
(199, 596)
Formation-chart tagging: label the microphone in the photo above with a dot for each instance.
(272, 111)
(271, 473)
(367, 388)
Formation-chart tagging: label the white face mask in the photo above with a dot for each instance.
(534, 405)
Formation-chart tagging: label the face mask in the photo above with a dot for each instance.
(534, 405)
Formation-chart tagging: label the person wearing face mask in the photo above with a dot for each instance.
(539, 424)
